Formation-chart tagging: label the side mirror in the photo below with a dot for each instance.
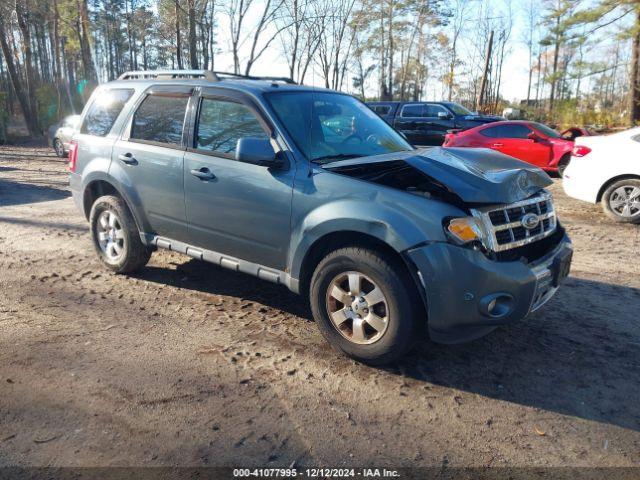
(533, 136)
(444, 115)
(257, 151)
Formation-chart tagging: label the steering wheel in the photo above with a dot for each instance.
(353, 136)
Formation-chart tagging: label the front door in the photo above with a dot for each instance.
(438, 120)
(411, 123)
(150, 156)
(235, 208)
(516, 143)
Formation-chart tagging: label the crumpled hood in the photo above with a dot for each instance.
(475, 175)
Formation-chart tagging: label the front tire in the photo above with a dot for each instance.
(115, 236)
(366, 305)
(621, 201)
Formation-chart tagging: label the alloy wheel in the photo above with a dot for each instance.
(57, 146)
(625, 201)
(357, 307)
(111, 236)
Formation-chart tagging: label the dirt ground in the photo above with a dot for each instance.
(188, 364)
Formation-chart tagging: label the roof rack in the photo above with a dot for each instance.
(206, 74)
(168, 74)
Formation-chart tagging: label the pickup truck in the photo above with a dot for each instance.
(426, 123)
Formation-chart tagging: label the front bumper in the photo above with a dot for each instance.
(460, 285)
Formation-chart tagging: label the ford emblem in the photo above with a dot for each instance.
(530, 221)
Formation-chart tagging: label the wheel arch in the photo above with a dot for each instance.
(332, 241)
(98, 187)
(611, 181)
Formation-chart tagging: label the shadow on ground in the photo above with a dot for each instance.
(569, 358)
(16, 193)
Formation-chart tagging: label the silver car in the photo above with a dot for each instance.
(61, 133)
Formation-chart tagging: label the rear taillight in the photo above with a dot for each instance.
(580, 151)
(73, 155)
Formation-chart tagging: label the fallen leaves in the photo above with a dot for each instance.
(542, 433)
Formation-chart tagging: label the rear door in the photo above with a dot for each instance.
(235, 208)
(151, 154)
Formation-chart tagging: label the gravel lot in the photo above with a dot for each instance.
(188, 364)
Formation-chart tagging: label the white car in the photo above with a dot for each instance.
(606, 169)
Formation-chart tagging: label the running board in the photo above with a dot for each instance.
(222, 260)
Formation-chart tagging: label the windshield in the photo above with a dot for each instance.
(331, 126)
(549, 132)
(459, 109)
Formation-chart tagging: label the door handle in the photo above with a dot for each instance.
(127, 158)
(497, 144)
(203, 174)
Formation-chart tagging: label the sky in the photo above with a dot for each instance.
(515, 69)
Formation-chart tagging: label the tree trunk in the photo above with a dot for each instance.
(193, 49)
(391, 52)
(178, 35)
(85, 45)
(30, 120)
(556, 54)
(634, 74)
(485, 73)
(23, 24)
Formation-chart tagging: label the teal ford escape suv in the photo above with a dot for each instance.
(309, 188)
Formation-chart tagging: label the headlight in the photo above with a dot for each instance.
(464, 230)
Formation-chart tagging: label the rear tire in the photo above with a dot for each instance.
(115, 235)
(59, 148)
(563, 164)
(379, 317)
(621, 201)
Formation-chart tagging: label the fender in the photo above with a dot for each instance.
(388, 225)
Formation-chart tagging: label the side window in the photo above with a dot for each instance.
(221, 123)
(493, 132)
(382, 109)
(506, 131)
(432, 110)
(515, 131)
(412, 110)
(160, 119)
(104, 111)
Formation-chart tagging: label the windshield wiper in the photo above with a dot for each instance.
(335, 157)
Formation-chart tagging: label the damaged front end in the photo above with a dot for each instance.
(506, 254)
(498, 193)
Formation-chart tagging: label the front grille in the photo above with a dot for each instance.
(504, 226)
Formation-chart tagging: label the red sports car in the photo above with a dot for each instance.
(531, 142)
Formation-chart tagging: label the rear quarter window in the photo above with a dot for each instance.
(104, 110)
(160, 119)
(381, 109)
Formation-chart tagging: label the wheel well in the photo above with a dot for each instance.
(336, 240)
(94, 191)
(613, 180)
(565, 158)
